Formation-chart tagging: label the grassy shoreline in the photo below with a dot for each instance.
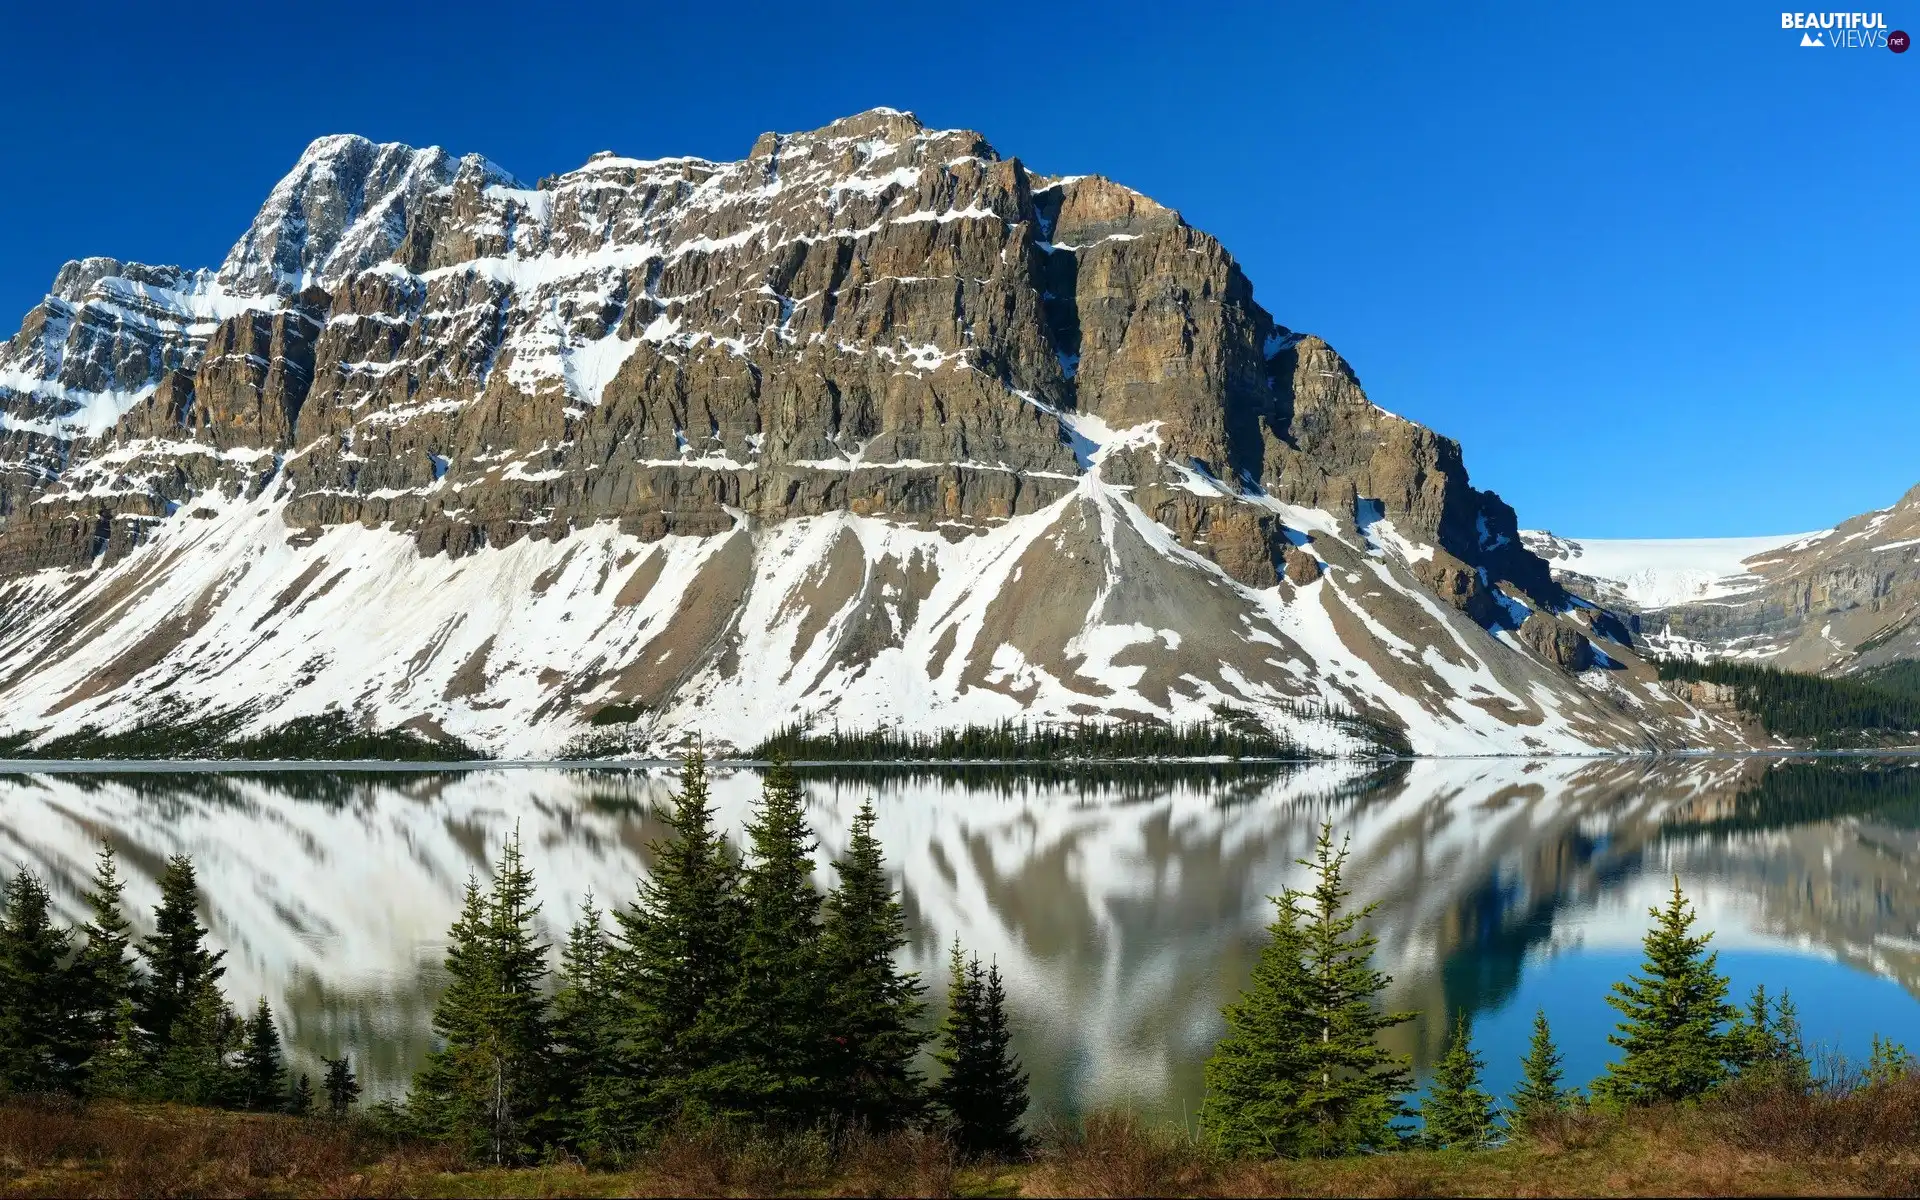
(1756, 1144)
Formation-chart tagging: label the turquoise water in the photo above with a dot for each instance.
(1841, 1007)
(1124, 906)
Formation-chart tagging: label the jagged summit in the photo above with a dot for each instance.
(869, 426)
(344, 207)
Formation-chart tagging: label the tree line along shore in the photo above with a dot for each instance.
(733, 1004)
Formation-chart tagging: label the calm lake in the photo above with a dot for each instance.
(1125, 906)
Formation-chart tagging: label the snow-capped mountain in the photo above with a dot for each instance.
(873, 426)
(1838, 600)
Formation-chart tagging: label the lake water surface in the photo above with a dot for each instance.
(1125, 906)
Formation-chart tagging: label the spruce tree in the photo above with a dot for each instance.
(875, 1007)
(486, 1085)
(586, 1012)
(39, 1050)
(263, 1077)
(1540, 1093)
(180, 968)
(770, 1032)
(1301, 1071)
(1003, 1085)
(342, 1089)
(1792, 1065)
(957, 1040)
(519, 1037)
(105, 980)
(1458, 1112)
(195, 1065)
(451, 1091)
(675, 955)
(1258, 1077)
(300, 1099)
(1888, 1063)
(1679, 1034)
(983, 1094)
(1771, 1049)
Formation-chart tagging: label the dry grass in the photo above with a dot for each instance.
(1723, 1150)
(1118, 1154)
(54, 1149)
(1752, 1141)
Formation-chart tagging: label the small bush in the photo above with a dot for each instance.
(1834, 1120)
(906, 1163)
(718, 1158)
(1578, 1127)
(1118, 1154)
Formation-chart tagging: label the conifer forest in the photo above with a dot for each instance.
(733, 991)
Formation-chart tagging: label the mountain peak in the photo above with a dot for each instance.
(344, 206)
(872, 426)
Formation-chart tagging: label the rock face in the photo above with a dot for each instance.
(1563, 647)
(873, 425)
(1836, 601)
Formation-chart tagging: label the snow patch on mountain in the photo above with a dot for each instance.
(1651, 573)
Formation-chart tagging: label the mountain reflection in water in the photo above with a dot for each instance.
(1125, 907)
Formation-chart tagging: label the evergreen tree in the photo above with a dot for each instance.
(1540, 1093)
(485, 1086)
(1888, 1063)
(1791, 1060)
(342, 1089)
(180, 968)
(983, 1094)
(263, 1077)
(39, 1052)
(1458, 1112)
(586, 1014)
(1259, 1077)
(195, 1065)
(771, 1031)
(1769, 1043)
(1002, 1083)
(122, 1067)
(104, 986)
(1754, 1033)
(875, 1007)
(675, 955)
(1301, 1071)
(451, 1091)
(300, 1099)
(957, 1040)
(1679, 1034)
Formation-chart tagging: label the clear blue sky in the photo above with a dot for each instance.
(1654, 265)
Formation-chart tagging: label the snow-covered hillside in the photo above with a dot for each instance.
(871, 427)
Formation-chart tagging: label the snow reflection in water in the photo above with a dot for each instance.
(1125, 908)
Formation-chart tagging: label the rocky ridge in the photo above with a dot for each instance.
(1836, 601)
(872, 426)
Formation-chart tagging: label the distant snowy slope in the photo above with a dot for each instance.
(1660, 572)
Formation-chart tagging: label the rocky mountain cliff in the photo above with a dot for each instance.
(873, 426)
(1836, 601)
